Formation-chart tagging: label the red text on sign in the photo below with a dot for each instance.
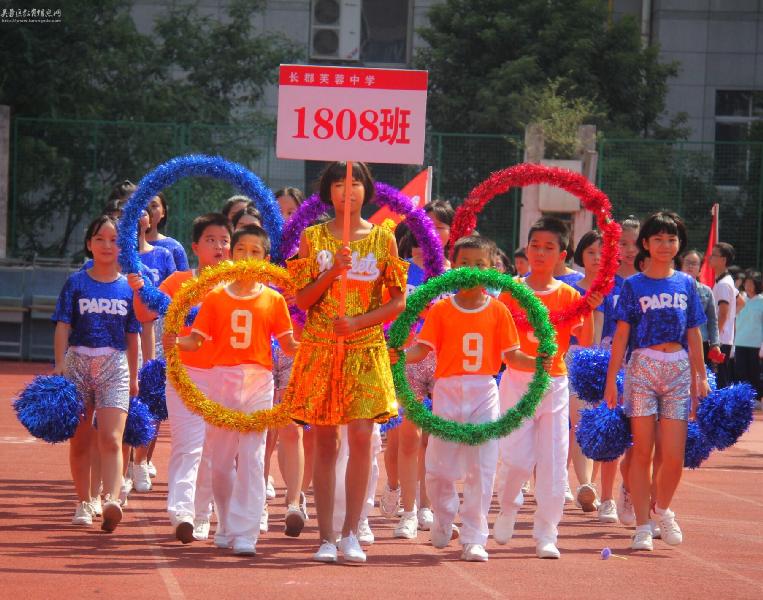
(386, 125)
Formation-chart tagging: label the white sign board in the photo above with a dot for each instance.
(346, 113)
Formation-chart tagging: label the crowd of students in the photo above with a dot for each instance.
(245, 352)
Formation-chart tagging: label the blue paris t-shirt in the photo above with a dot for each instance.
(659, 310)
(159, 263)
(177, 251)
(602, 308)
(610, 321)
(100, 314)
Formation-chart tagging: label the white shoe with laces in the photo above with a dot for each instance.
(201, 529)
(546, 549)
(244, 547)
(625, 510)
(350, 548)
(82, 514)
(527, 488)
(670, 532)
(295, 521)
(365, 535)
(568, 497)
(608, 512)
(142, 479)
(655, 527)
(389, 503)
(426, 518)
(303, 504)
(642, 540)
(474, 553)
(96, 508)
(326, 553)
(270, 490)
(408, 526)
(264, 520)
(151, 469)
(125, 490)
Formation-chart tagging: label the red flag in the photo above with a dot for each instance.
(417, 189)
(706, 274)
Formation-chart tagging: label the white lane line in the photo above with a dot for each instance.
(715, 566)
(722, 493)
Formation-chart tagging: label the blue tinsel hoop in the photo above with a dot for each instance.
(140, 427)
(163, 176)
(50, 408)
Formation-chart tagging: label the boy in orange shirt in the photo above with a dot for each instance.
(470, 333)
(542, 441)
(189, 483)
(234, 328)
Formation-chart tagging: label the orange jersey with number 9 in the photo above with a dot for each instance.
(468, 341)
(238, 329)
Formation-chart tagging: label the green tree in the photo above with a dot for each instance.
(486, 56)
(95, 64)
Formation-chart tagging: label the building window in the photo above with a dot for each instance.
(735, 113)
(384, 32)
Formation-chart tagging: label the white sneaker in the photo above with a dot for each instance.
(426, 518)
(244, 547)
(441, 536)
(408, 526)
(142, 479)
(642, 540)
(184, 530)
(326, 553)
(112, 515)
(503, 529)
(303, 504)
(546, 549)
(527, 488)
(365, 535)
(389, 503)
(201, 529)
(96, 508)
(587, 498)
(351, 550)
(625, 510)
(474, 553)
(125, 490)
(608, 512)
(151, 469)
(655, 527)
(568, 497)
(82, 514)
(222, 541)
(669, 530)
(270, 490)
(264, 520)
(295, 521)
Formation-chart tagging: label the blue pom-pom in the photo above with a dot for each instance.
(698, 447)
(711, 379)
(191, 316)
(588, 373)
(50, 408)
(603, 434)
(726, 414)
(152, 381)
(140, 428)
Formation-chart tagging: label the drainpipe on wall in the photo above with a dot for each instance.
(646, 22)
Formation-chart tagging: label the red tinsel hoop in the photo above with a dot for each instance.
(593, 200)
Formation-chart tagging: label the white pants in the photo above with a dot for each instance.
(542, 443)
(466, 399)
(240, 494)
(340, 488)
(189, 479)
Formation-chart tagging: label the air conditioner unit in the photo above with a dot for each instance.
(335, 30)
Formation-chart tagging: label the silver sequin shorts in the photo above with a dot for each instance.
(658, 383)
(103, 381)
(421, 376)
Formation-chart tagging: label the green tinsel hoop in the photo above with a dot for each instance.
(537, 315)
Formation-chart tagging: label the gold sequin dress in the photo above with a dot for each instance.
(327, 388)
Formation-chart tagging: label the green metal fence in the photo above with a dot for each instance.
(62, 171)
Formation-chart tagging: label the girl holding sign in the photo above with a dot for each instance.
(341, 373)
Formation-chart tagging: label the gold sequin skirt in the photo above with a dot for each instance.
(327, 388)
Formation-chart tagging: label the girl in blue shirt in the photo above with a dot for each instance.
(96, 347)
(157, 210)
(658, 318)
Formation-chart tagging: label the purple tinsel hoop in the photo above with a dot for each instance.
(418, 222)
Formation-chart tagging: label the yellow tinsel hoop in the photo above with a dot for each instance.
(191, 293)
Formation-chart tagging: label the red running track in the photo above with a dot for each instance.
(42, 555)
